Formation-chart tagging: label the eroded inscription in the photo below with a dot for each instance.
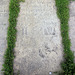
(49, 31)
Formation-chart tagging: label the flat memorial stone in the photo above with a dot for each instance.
(38, 48)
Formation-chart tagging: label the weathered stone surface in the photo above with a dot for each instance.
(4, 6)
(38, 48)
(72, 25)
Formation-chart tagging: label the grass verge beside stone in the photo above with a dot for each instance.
(11, 37)
(68, 65)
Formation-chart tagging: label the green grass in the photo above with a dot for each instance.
(11, 37)
(68, 65)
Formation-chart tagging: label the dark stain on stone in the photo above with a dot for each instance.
(53, 33)
(47, 48)
(41, 54)
(53, 50)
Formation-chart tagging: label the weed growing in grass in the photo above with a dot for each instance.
(68, 65)
(11, 37)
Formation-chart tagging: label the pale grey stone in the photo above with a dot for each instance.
(4, 6)
(72, 25)
(38, 48)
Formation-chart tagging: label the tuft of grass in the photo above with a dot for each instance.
(11, 37)
(68, 65)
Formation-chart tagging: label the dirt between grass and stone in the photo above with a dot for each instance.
(38, 48)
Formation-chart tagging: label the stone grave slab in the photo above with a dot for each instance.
(38, 48)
